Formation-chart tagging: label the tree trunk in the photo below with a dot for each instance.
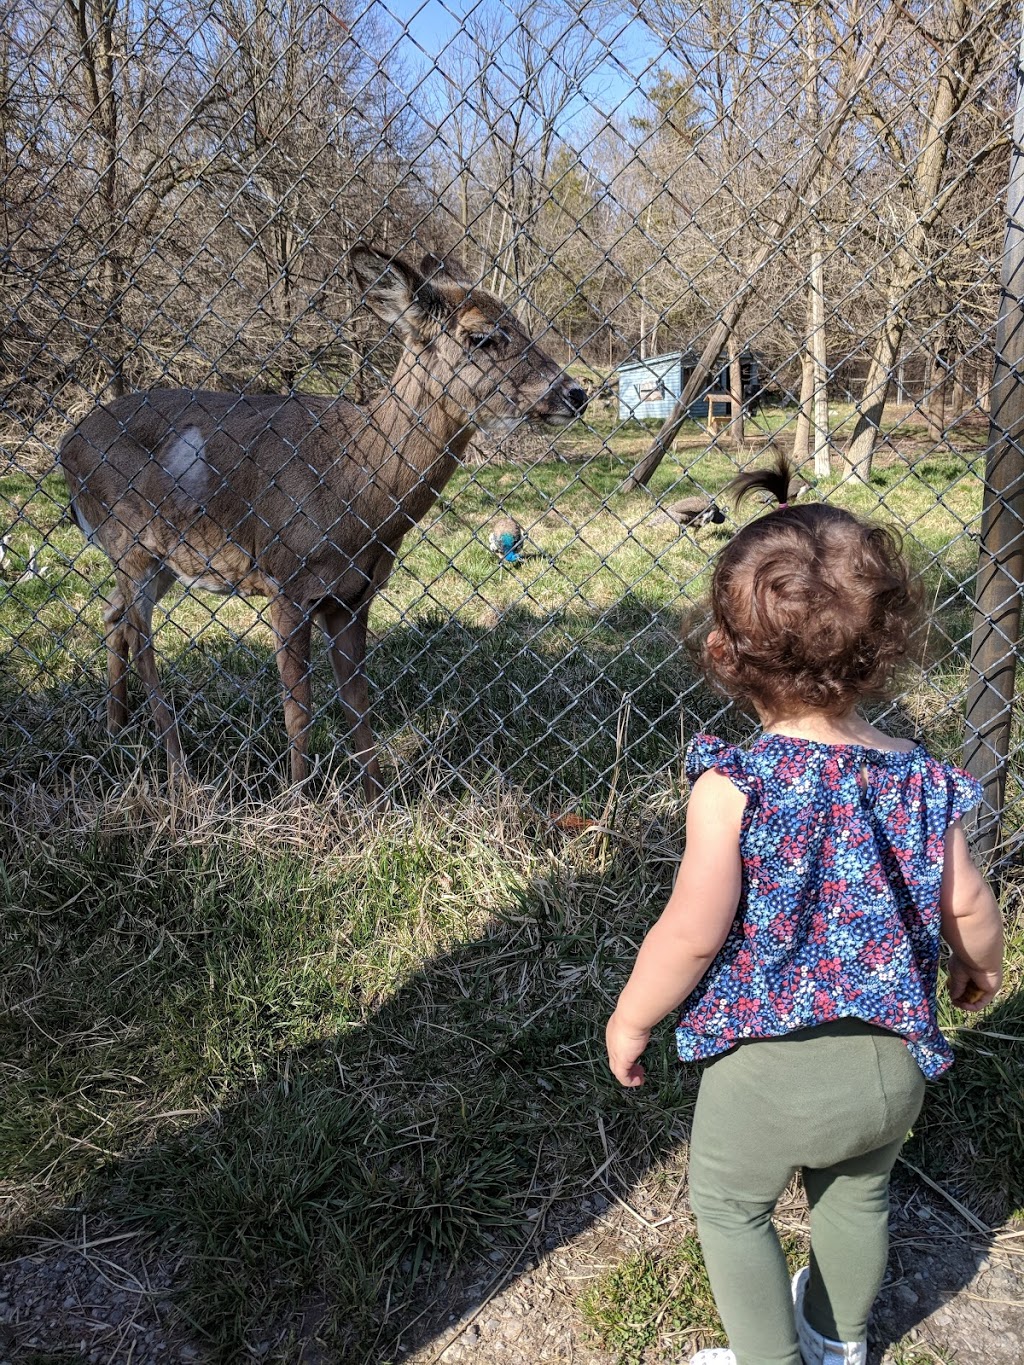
(861, 451)
(985, 390)
(98, 41)
(932, 409)
(958, 386)
(817, 356)
(910, 262)
(114, 346)
(803, 418)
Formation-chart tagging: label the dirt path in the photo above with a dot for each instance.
(952, 1296)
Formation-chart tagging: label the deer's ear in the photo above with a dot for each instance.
(448, 267)
(397, 293)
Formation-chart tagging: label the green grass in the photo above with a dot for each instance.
(476, 669)
(329, 1054)
(653, 1298)
(648, 1296)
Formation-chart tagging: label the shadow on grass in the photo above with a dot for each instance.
(547, 702)
(966, 1148)
(459, 1127)
(361, 1179)
(382, 1127)
(535, 699)
(464, 1131)
(465, 1116)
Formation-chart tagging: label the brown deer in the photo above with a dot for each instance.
(302, 500)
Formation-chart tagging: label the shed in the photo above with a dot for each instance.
(651, 387)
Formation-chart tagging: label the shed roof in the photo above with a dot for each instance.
(689, 358)
(666, 358)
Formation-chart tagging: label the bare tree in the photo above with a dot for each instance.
(786, 209)
(952, 45)
(518, 69)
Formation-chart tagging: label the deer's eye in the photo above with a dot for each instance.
(487, 341)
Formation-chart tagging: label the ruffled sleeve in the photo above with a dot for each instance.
(963, 793)
(708, 751)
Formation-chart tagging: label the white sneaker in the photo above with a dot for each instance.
(816, 1349)
(715, 1355)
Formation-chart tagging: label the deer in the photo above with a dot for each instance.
(302, 500)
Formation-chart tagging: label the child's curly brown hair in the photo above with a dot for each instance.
(810, 606)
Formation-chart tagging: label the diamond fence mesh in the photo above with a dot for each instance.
(322, 292)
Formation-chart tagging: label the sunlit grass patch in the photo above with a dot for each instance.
(920, 1354)
(661, 1299)
(522, 672)
(648, 1296)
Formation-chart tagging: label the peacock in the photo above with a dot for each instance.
(506, 540)
(696, 511)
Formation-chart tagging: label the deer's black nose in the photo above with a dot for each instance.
(577, 399)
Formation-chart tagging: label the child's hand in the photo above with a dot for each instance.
(624, 1048)
(970, 989)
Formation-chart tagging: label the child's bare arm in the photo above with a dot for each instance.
(971, 925)
(683, 943)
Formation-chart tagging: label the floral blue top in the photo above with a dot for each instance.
(839, 909)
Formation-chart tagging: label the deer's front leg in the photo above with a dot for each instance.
(119, 652)
(293, 628)
(345, 630)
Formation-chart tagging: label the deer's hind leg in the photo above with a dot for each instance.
(119, 652)
(130, 635)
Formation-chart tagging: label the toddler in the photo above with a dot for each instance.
(822, 865)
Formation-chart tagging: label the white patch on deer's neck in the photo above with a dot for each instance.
(184, 461)
(498, 426)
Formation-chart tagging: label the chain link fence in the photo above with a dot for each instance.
(724, 231)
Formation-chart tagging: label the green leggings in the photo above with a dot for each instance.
(836, 1103)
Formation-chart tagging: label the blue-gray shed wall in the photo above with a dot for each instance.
(651, 388)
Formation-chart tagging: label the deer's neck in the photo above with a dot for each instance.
(421, 436)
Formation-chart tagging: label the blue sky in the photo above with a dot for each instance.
(431, 25)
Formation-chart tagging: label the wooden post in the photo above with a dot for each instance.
(997, 617)
(737, 430)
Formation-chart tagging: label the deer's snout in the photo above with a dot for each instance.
(577, 399)
(562, 404)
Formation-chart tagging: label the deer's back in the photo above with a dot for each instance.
(205, 441)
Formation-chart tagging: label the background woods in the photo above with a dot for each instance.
(182, 183)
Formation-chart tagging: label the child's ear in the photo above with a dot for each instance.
(715, 643)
